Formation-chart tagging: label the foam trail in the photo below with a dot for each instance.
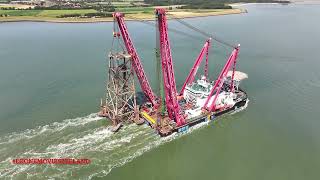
(70, 138)
(47, 142)
(152, 143)
(54, 127)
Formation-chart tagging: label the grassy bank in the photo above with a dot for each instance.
(146, 13)
(45, 13)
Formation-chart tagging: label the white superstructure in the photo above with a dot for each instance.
(197, 93)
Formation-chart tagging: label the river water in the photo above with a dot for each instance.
(52, 77)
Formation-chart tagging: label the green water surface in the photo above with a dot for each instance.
(52, 77)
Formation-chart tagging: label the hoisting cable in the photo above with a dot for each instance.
(156, 25)
(116, 35)
(207, 35)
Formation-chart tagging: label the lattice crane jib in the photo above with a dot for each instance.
(172, 104)
(136, 62)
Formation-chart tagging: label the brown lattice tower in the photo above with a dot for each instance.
(120, 95)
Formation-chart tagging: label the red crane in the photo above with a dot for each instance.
(232, 60)
(195, 67)
(137, 66)
(172, 104)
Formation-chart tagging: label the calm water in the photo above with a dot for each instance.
(52, 77)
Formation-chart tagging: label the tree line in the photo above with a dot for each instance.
(86, 15)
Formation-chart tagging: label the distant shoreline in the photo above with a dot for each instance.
(187, 13)
(140, 16)
(308, 2)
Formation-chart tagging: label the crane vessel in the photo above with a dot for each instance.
(199, 100)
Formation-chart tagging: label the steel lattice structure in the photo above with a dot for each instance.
(120, 95)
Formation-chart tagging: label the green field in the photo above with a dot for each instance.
(21, 12)
(55, 13)
(45, 13)
(134, 10)
(75, 14)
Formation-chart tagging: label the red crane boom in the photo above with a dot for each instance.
(219, 82)
(206, 66)
(196, 65)
(172, 104)
(137, 66)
